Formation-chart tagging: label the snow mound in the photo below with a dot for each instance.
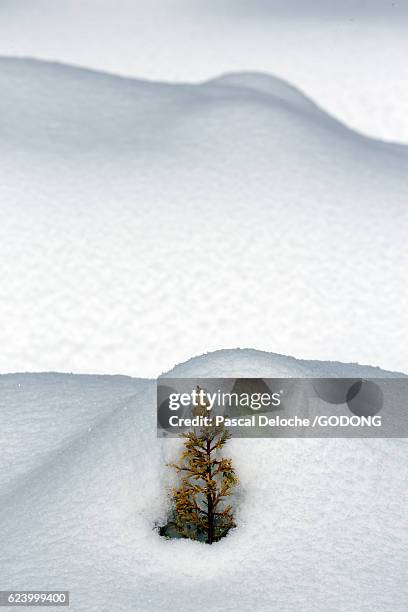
(145, 222)
(250, 363)
(349, 55)
(268, 85)
(320, 522)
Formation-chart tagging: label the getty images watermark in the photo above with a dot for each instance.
(285, 407)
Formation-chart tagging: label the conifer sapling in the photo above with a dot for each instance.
(207, 479)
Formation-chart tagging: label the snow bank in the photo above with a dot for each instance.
(349, 55)
(321, 524)
(144, 222)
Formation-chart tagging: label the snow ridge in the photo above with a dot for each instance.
(90, 484)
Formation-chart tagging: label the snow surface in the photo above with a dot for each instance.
(144, 222)
(322, 524)
(348, 55)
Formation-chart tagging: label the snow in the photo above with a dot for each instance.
(347, 55)
(321, 523)
(144, 222)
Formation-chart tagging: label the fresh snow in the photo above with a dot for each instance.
(143, 222)
(322, 524)
(348, 55)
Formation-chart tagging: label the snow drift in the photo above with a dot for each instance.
(144, 222)
(349, 55)
(321, 523)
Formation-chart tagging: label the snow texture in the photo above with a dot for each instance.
(322, 524)
(144, 222)
(348, 55)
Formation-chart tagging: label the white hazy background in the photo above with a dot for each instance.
(144, 223)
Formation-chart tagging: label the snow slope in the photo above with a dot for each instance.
(321, 523)
(348, 55)
(144, 222)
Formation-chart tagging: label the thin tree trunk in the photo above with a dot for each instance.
(210, 509)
